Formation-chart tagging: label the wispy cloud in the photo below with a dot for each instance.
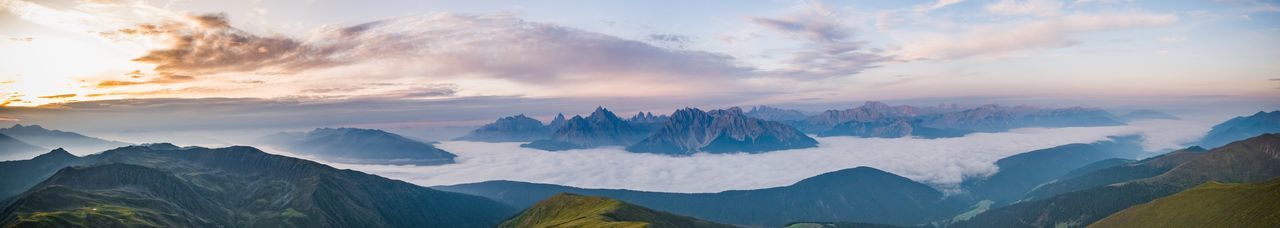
(1053, 32)
(830, 49)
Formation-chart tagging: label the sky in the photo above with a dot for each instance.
(106, 65)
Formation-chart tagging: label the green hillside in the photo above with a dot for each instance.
(1211, 204)
(166, 186)
(570, 210)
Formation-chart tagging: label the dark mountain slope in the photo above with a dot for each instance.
(691, 130)
(1146, 168)
(1253, 160)
(361, 146)
(18, 176)
(1021, 173)
(570, 210)
(859, 194)
(238, 187)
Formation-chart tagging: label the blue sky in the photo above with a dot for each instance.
(635, 55)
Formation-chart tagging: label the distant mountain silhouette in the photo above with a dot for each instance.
(234, 187)
(39, 136)
(860, 194)
(571, 210)
(18, 176)
(601, 128)
(691, 130)
(890, 128)
(361, 146)
(1242, 127)
(14, 148)
(775, 114)
(518, 128)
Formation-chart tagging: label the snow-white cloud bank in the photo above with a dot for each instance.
(939, 162)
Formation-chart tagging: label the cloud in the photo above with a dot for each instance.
(1053, 32)
(59, 96)
(939, 162)
(163, 78)
(443, 45)
(204, 44)
(1026, 7)
(937, 5)
(829, 51)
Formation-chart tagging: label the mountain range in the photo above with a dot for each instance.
(571, 210)
(601, 128)
(890, 128)
(47, 138)
(876, 119)
(359, 146)
(775, 114)
(691, 130)
(1242, 127)
(162, 185)
(1021, 173)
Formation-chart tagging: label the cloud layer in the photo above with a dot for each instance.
(940, 162)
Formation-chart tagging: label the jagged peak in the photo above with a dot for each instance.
(55, 153)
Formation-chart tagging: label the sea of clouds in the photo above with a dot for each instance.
(942, 163)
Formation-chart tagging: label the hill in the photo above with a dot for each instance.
(1019, 174)
(571, 210)
(1253, 160)
(1211, 204)
(360, 146)
(860, 194)
(234, 187)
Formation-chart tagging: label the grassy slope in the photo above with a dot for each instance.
(1208, 205)
(569, 210)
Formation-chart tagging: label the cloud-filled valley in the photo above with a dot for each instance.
(939, 162)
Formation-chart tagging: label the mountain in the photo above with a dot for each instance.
(360, 146)
(39, 136)
(1147, 114)
(1211, 204)
(868, 112)
(691, 130)
(571, 210)
(775, 114)
(1128, 171)
(18, 176)
(556, 123)
(234, 187)
(518, 128)
(14, 148)
(1019, 174)
(1248, 161)
(996, 118)
(1240, 128)
(601, 128)
(890, 128)
(647, 122)
(860, 194)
